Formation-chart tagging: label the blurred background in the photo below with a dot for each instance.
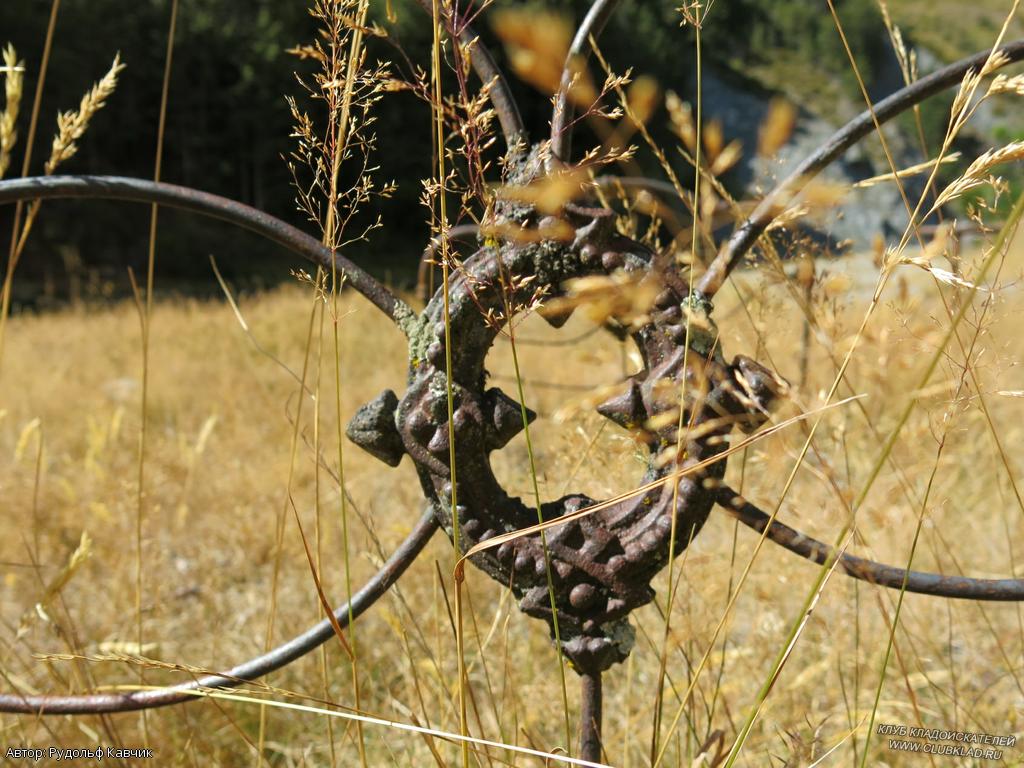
(228, 125)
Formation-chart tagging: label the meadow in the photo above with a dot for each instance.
(219, 467)
(178, 494)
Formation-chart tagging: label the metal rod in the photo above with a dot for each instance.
(779, 198)
(214, 206)
(564, 112)
(487, 70)
(641, 183)
(90, 704)
(591, 700)
(424, 282)
(938, 585)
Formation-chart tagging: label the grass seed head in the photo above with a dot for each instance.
(71, 125)
(14, 78)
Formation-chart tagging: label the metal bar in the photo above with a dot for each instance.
(562, 117)
(640, 183)
(90, 704)
(487, 70)
(959, 587)
(214, 206)
(779, 198)
(591, 700)
(424, 288)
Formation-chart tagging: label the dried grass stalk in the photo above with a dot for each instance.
(977, 173)
(71, 125)
(14, 78)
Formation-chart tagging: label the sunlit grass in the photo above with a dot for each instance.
(235, 424)
(218, 458)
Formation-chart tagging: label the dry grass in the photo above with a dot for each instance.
(218, 464)
(227, 465)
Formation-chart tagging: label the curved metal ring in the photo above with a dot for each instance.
(466, 232)
(424, 273)
(487, 70)
(562, 116)
(906, 98)
(185, 198)
(214, 206)
(960, 587)
(91, 704)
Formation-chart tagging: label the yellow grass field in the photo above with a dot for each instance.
(216, 477)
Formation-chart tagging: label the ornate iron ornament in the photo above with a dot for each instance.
(600, 566)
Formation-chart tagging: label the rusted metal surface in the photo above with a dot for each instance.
(564, 113)
(425, 285)
(591, 701)
(938, 585)
(487, 70)
(469, 233)
(601, 565)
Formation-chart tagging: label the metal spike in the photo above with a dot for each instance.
(626, 410)
(504, 416)
(373, 429)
